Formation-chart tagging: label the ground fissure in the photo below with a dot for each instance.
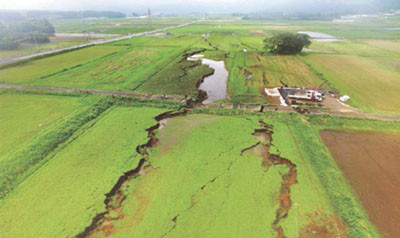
(262, 149)
(102, 222)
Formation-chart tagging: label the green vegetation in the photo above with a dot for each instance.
(287, 43)
(63, 195)
(19, 164)
(23, 116)
(30, 71)
(210, 173)
(363, 80)
(27, 48)
(180, 77)
(37, 31)
(116, 25)
(340, 194)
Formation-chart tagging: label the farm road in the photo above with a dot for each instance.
(314, 111)
(25, 57)
(94, 91)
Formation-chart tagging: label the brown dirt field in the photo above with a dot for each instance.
(257, 32)
(371, 163)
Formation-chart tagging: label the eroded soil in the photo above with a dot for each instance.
(371, 163)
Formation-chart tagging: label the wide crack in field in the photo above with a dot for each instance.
(262, 149)
(102, 222)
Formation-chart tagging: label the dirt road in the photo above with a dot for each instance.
(94, 91)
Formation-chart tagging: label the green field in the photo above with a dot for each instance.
(115, 26)
(29, 48)
(30, 71)
(22, 116)
(77, 176)
(84, 165)
(372, 88)
(199, 179)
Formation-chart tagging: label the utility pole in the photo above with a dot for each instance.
(149, 18)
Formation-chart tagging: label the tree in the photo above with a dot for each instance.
(287, 43)
(37, 31)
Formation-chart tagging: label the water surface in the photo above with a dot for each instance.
(215, 84)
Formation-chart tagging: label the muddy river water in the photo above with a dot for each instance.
(215, 84)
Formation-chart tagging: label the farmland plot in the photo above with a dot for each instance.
(213, 176)
(31, 70)
(370, 163)
(371, 88)
(61, 198)
(22, 116)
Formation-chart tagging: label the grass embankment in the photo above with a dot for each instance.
(61, 198)
(19, 164)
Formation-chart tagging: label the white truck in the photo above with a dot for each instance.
(309, 95)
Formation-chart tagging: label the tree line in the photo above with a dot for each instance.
(35, 31)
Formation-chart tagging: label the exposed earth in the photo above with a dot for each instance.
(371, 163)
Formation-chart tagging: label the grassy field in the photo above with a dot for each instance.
(199, 177)
(22, 116)
(116, 26)
(250, 72)
(211, 173)
(145, 64)
(372, 88)
(77, 176)
(156, 65)
(390, 45)
(125, 70)
(28, 48)
(29, 71)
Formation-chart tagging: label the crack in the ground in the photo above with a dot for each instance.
(202, 188)
(174, 220)
(113, 202)
(264, 135)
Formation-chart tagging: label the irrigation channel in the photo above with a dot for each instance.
(214, 85)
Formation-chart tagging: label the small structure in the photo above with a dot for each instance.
(305, 94)
(344, 98)
(288, 96)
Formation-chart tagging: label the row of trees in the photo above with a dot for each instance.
(35, 31)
